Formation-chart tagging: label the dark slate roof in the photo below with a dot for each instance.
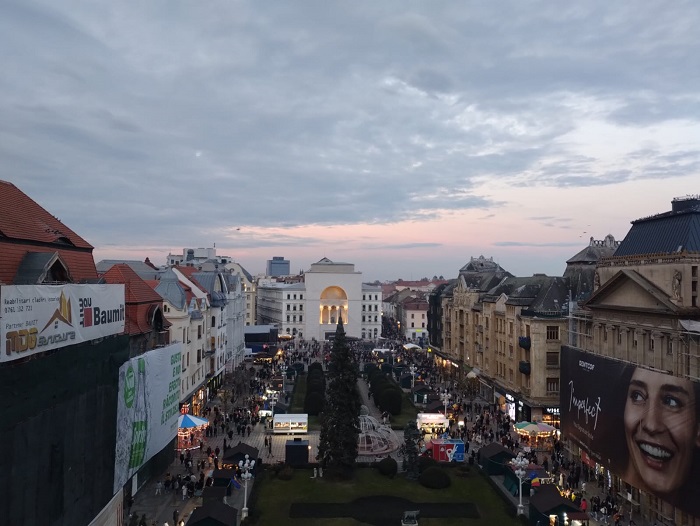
(170, 289)
(548, 498)
(668, 233)
(595, 250)
(539, 293)
(242, 449)
(208, 281)
(493, 449)
(34, 267)
(218, 511)
(481, 264)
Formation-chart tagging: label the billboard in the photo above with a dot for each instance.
(643, 424)
(39, 318)
(147, 409)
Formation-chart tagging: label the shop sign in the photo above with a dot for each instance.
(510, 398)
(38, 318)
(551, 411)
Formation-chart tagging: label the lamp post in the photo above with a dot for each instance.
(413, 370)
(520, 464)
(273, 401)
(445, 397)
(283, 369)
(246, 475)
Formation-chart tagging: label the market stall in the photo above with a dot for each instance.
(190, 430)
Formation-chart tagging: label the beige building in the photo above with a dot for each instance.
(644, 312)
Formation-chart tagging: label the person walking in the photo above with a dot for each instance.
(184, 492)
(159, 487)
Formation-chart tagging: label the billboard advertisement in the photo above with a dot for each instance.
(643, 424)
(147, 409)
(39, 318)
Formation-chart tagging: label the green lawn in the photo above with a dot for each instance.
(274, 496)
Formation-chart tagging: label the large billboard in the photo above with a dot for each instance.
(643, 424)
(147, 409)
(38, 318)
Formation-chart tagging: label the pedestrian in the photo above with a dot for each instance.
(159, 487)
(184, 492)
(182, 458)
(176, 516)
(269, 449)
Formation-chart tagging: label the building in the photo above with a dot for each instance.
(638, 330)
(58, 370)
(311, 309)
(196, 257)
(277, 266)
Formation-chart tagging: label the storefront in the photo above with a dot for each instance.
(511, 405)
(550, 415)
(195, 404)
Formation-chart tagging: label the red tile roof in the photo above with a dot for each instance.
(137, 290)
(22, 218)
(140, 298)
(81, 265)
(27, 227)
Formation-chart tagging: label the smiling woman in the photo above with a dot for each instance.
(662, 433)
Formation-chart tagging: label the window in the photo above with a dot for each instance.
(295, 296)
(553, 333)
(289, 307)
(669, 344)
(510, 350)
(363, 297)
(552, 385)
(375, 319)
(364, 308)
(294, 308)
(422, 325)
(413, 316)
(413, 325)
(619, 336)
(199, 332)
(289, 296)
(510, 374)
(294, 318)
(510, 328)
(288, 318)
(301, 307)
(363, 318)
(552, 359)
(301, 318)
(376, 308)
(199, 355)
(652, 343)
(301, 296)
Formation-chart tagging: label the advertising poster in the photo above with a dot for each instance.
(39, 318)
(642, 424)
(147, 409)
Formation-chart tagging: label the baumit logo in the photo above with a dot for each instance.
(61, 314)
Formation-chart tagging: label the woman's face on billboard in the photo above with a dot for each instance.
(661, 429)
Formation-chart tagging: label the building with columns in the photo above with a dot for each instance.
(311, 309)
(644, 315)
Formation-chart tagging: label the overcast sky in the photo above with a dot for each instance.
(404, 137)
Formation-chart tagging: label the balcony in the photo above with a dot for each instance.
(524, 367)
(524, 342)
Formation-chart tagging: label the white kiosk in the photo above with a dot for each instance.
(428, 421)
(289, 424)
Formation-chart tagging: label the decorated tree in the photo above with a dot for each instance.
(411, 436)
(340, 429)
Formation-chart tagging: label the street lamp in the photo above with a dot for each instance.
(246, 475)
(413, 370)
(520, 464)
(445, 397)
(283, 369)
(273, 401)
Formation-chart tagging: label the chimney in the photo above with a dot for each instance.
(688, 202)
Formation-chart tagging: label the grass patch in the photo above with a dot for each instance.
(275, 497)
(408, 413)
(297, 405)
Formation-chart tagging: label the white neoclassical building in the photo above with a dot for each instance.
(311, 309)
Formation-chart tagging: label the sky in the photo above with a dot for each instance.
(404, 137)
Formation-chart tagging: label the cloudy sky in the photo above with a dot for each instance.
(401, 136)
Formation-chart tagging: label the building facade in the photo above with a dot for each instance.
(643, 319)
(277, 266)
(311, 309)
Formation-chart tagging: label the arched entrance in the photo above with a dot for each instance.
(334, 306)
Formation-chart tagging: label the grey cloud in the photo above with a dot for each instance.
(324, 113)
(526, 244)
